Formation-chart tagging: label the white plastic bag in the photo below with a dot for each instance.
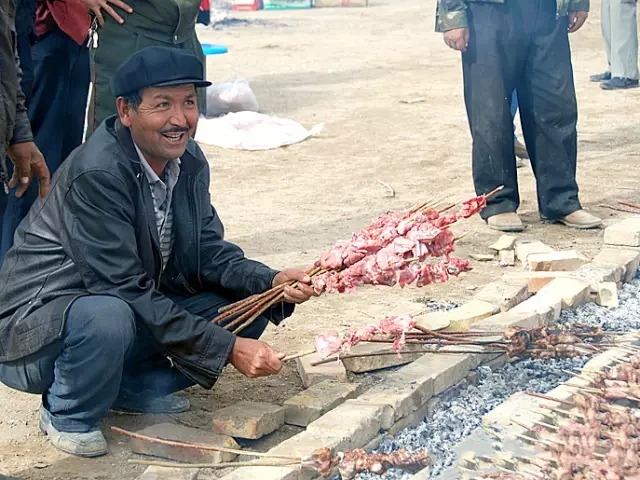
(234, 96)
(252, 131)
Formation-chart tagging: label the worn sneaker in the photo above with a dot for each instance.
(581, 220)
(86, 444)
(144, 404)
(506, 222)
(600, 77)
(619, 83)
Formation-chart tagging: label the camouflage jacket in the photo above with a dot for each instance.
(452, 13)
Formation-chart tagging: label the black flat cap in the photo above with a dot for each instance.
(158, 67)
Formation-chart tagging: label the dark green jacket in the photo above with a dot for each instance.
(167, 21)
(452, 14)
(14, 123)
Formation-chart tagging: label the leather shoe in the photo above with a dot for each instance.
(581, 220)
(506, 222)
(82, 444)
(600, 77)
(144, 404)
(619, 83)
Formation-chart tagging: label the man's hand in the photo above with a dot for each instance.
(458, 38)
(302, 291)
(576, 20)
(28, 161)
(254, 358)
(96, 6)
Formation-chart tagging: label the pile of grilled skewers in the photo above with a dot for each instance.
(593, 436)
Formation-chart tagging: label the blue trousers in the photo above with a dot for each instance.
(103, 354)
(60, 84)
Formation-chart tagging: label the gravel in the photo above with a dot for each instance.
(457, 418)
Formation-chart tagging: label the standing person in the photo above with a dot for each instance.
(518, 146)
(25, 15)
(16, 139)
(125, 28)
(620, 34)
(57, 98)
(107, 297)
(520, 45)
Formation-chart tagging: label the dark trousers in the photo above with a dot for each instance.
(103, 354)
(521, 45)
(56, 110)
(7, 210)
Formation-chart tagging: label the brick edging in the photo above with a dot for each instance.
(410, 393)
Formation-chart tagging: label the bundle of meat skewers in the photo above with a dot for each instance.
(410, 247)
(589, 437)
(538, 342)
(322, 461)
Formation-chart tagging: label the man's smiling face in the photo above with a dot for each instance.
(163, 122)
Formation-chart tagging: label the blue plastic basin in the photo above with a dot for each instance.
(213, 49)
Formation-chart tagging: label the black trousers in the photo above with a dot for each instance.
(521, 45)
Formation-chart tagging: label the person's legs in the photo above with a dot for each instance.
(605, 27)
(624, 45)
(78, 376)
(56, 113)
(488, 67)
(548, 109)
(148, 373)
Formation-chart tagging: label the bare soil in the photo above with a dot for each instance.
(351, 68)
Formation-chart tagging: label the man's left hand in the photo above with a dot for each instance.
(302, 292)
(576, 20)
(27, 162)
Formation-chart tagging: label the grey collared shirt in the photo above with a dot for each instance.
(162, 195)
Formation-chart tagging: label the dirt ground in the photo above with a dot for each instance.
(350, 68)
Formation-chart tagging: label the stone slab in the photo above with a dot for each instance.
(461, 318)
(181, 433)
(595, 273)
(507, 258)
(357, 421)
(379, 362)
(504, 242)
(573, 292)
(524, 248)
(503, 295)
(446, 369)
(315, 401)
(564, 261)
(249, 420)
(482, 257)
(628, 259)
(405, 391)
(547, 305)
(607, 294)
(163, 473)
(535, 280)
(501, 321)
(625, 232)
(261, 473)
(311, 375)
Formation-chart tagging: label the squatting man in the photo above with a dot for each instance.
(106, 296)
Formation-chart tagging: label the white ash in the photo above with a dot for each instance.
(457, 418)
(437, 305)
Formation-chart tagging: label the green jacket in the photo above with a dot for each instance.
(167, 21)
(452, 14)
